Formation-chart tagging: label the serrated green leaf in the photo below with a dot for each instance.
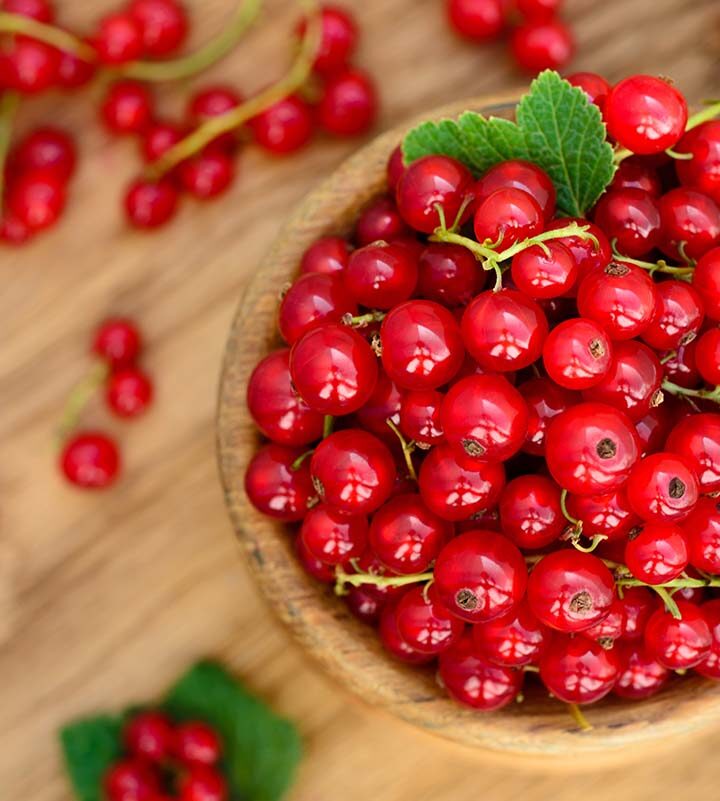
(262, 750)
(557, 128)
(565, 135)
(90, 747)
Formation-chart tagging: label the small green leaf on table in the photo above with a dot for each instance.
(90, 748)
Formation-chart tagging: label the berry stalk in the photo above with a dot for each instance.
(225, 123)
(49, 34)
(9, 103)
(79, 398)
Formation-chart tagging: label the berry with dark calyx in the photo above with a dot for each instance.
(679, 313)
(424, 623)
(690, 223)
(635, 173)
(338, 39)
(589, 255)
(645, 114)
(657, 553)
(393, 642)
(530, 511)
(353, 471)
(429, 183)
(472, 680)
(406, 536)
(455, 491)
(381, 275)
(37, 199)
(640, 675)
(420, 416)
(127, 107)
(158, 138)
(28, 66)
(678, 644)
(150, 204)
(709, 666)
(480, 575)
(208, 174)
(702, 171)
(477, 20)
(591, 448)
(149, 735)
(449, 274)
(131, 780)
(118, 342)
(507, 216)
(544, 400)
(327, 255)
(90, 460)
(332, 537)
(320, 571)
(610, 628)
(633, 382)
(638, 603)
(621, 298)
(48, 149)
(203, 783)
(570, 591)
(595, 87)
(284, 127)
(543, 273)
(504, 330)
(542, 45)
(333, 369)
(609, 515)
(578, 670)
(348, 103)
(196, 743)
(421, 345)
(380, 220)
(163, 25)
(518, 174)
(702, 534)
(707, 355)
(484, 418)
(118, 39)
(697, 438)
(129, 392)
(632, 218)
(662, 487)
(313, 300)
(512, 640)
(577, 354)
(278, 487)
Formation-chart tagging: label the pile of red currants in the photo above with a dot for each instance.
(328, 93)
(517, 479)
(165, 760)
(539, 39)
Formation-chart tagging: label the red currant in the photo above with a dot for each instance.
(477, 20)
(542, 45)
(424, 623)
(657, 553)
(638, 603)
(578, 670)
(73, 72)
(196, 743)
(690, 223)
(517, 174)
(631, 217)
(702, 171)
(90, 460)
(420, 416)
(544, 400)
(40, 10)
(513, 640)
(702, 534)
(678, 644)
(149, 735)
(118, 342)
(129, 392)
(449, 274)
(284, 127)
(395, 168)
(609, 515)
(276, 486)
(697, 438)
(707, 355)
(150, 204)
(578, 354)
(48, 149)
(544, 273)
(393, 642)
(29, 66)
(507, 216)
(635, 173)
(131, 780)
(338, 39)
(313, 300)
(327, 255)
(118, 39)
(709, 666)
(595, 86)
(313, 567)
(381, 220)
(381, 275)
(214, 101)
(37, 199)
(333, 537)
(706, 279)
(382, 405)
(158, 139)
(127, 107)
(662, 487)
(679, 313)
(208, 174)
(348, 104)
(530, 512)
(163, 25)
(640, 675)
(203, 783)
(588, 255)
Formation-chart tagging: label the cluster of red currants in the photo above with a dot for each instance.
(539, 39)
(91, 459)
(335, 96)
(165, 760)
(486, 440)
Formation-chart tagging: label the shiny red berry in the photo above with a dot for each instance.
(149, 735)
(638, 603)
(118, 39)
(48, 149)
(353, 471)
(73, 72)
(392, 641)
(40, 10)
(544, 400)
(131, 780)
(709, 666)
(208, 174)
(477, 20)
(702, 171)
(163, 25)
(320, 571)
(577, 354)
(507, 216)
(214, 101)
(595, 86)
(702, 534)
(313, 300)
(544, 273)
(127, 107)
(158, 138)
(338, 39)
(327, 255)
(517, 174)
(150, 204)
(645, 114)
(657, 553)
(662, 487)
(28, 66)
(678, 644)
(333, 537)
(196, 743)
(129, 392)
(90, 460)
(118, 342)
(589, 254)
(609, 515)
(424, 623)
(348, 104)
(542, 45)
(578, 670)
(530, 511)
(690, 224)
(640, 675)
(284, 127)
(449, 274)
(381, 275)
(697, 438)
(381, 220)
(679, 313)
(276, 486)
(203, 783)
(635, 173)
(420, 416)
(707, 355)
(37, 199)
(706, 279)
(512, 640)
(631, 217)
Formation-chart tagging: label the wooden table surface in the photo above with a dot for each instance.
(105, 598)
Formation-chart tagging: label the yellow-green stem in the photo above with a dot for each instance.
(9, 102)
(79, 398)
(50, 34)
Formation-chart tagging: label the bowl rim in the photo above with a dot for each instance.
(346, 649)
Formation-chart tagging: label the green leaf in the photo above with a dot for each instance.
(90, 747)
(262, 750)
(557, 128)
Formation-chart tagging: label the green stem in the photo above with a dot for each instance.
(577, 524)
(358, 579)
(363, 320)
(225, 123)
(620, 154)
(79, 397)
(407, 448)
(177, 69)
(9, 103)
(303, 456)
(679, 156)
(594, 542)
(706, 394)
(50, 34)
(328, 424)
(659, 266)
(708, 113)
(579, 717)
(669, 601)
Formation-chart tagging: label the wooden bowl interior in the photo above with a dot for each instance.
(347, 649)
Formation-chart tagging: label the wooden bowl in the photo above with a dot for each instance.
(347, 649)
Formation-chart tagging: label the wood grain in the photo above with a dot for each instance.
(104, 599)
